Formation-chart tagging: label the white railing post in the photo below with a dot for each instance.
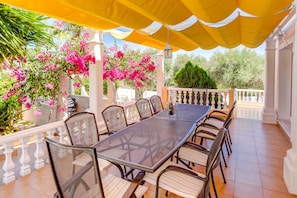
(225, 100)
(8, 165)
(207, 97)
(201, 96)
(195, 93)
(25, 158)
(219, 100)
(39, 153)
(190, 96)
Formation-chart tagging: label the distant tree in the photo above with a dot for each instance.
(191, 76)
(237, 68)
(172, 66)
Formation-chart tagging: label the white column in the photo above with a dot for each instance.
(269, 114)
(290, 161)
(160, 73)
(96, 73)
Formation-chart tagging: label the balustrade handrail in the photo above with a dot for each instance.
(216, 98)
(30, 132)
(249, 96)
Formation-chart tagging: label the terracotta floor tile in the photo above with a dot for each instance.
(247, 166)
(275, 194)
(271, 171)
(247, 178)
(274, 184)
(225, 189)
(270, 161)
(247, 157)
(243, 190)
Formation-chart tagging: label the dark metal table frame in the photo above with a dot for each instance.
(149, 143)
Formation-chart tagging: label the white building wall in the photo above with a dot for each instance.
(284, 84)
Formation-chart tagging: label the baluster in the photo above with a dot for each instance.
(201, 97)
(179, 96)
(25, 158)
(225, 100)
(213, 99)
(219, 100)
(8, 165)
(207, 96)
(190, 97)
(195, 96)
(241, 96)
(39, 153)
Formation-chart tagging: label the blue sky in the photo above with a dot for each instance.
(109, 41)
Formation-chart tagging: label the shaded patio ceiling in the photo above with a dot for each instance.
(185, 24)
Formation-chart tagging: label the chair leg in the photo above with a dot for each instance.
(213, 185)
(228, 132)
(228, 147)
(224, 158)
(221, 167)
(228, 142)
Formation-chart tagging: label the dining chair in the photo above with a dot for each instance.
(198, 155)
(208, 131)
(83, 131)
(156, 103)
(185, 182)
(114, 118)
(218, 117)
(86, 181)
(144, 108)
(221, 113)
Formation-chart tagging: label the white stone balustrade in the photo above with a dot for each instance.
(216, 98)
(249, 95)
(20, 143)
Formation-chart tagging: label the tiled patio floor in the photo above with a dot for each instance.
(255, 168)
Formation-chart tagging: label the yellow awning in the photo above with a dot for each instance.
(192, 23)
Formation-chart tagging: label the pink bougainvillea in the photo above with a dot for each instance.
(38, 79)
(135, 68)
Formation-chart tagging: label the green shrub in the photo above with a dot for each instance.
(10, 114)
(10, 110)
(191, 76)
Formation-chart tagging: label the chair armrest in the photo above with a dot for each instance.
(134, 184)
(181, 170)
(216, 117)
(204, 124)
(196, 147)
(219, 112)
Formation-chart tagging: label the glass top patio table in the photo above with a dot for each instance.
(149, 143)
(186, 112)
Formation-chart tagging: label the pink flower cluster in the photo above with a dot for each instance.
(73, 58)
(78, 63)
(118, 66)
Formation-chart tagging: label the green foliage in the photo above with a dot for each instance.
(237, 68)
(172, 66)
(191, 76)
(10, 110)
(10, 114)
(19, 30)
